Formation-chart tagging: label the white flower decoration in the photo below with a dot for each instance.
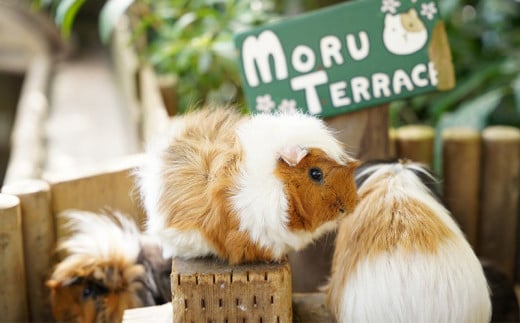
(264, 103)
(287, 106)
(389, 6)
(428, 10)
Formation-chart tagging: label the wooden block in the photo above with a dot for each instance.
(39, 241)
(13, 293)
(307, 308)
(461, 173)
(207, 290)
(500, 196)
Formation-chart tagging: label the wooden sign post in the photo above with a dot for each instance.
(344, 63)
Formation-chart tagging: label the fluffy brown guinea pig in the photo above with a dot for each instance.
(245, 188)
(400, 256)
(109, 267)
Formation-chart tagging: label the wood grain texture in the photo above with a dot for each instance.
(205, 290)
(13, 293)
(39, 241)
(110, 186)
(500, 196)
(461, 174)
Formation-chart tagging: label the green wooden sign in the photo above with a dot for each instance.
(346, 57)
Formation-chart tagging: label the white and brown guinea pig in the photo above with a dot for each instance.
(399, 257)
(110, 266)
(245, 188)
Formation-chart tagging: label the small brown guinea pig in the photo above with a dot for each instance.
(400, 256)
(109, 267)
(245, 188)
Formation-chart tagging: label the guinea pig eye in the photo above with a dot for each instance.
(88, 291)
(316, 174)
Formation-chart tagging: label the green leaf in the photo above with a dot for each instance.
(65, 14)
(472, 114)
(516, 92)
(109, 16)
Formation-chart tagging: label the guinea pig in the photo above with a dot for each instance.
(109, 267)
(400, 257)
(245, 188)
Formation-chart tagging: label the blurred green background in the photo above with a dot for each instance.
(192, 40)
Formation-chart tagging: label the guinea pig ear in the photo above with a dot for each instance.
(292, 155)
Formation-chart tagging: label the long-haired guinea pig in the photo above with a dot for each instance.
(109, 267)
(400, 257)
(245, 188)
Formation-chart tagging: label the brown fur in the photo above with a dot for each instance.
(337, 194)
(208, 157)
(380, 224)
(120, 282)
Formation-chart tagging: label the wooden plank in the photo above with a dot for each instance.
(500, 196)
(461, 173)
(38, 242)
(108, 186)
(365, 135)
(415, 142)
(154, 114)
(27, 141)
(205, 290)
(13, 294)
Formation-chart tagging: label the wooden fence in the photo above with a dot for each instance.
(480, 184)
(29, 229)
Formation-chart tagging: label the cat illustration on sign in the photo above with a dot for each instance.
(404, 33)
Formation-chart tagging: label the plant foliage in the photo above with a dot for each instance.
(193, 40)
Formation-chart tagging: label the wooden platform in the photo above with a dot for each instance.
(208, 290)
(306, 308)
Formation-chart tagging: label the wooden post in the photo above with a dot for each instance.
(499, 196)
(27, 151)
(364, 132)
(392, 143)
(206, 290)
(415, 142)
(13, 293)
(38, 242)
(365, 135)
(461, 173)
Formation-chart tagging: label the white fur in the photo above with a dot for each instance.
(260, 200)
(186, 244)
(413, 287)
(100, 236)
(404, 286)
